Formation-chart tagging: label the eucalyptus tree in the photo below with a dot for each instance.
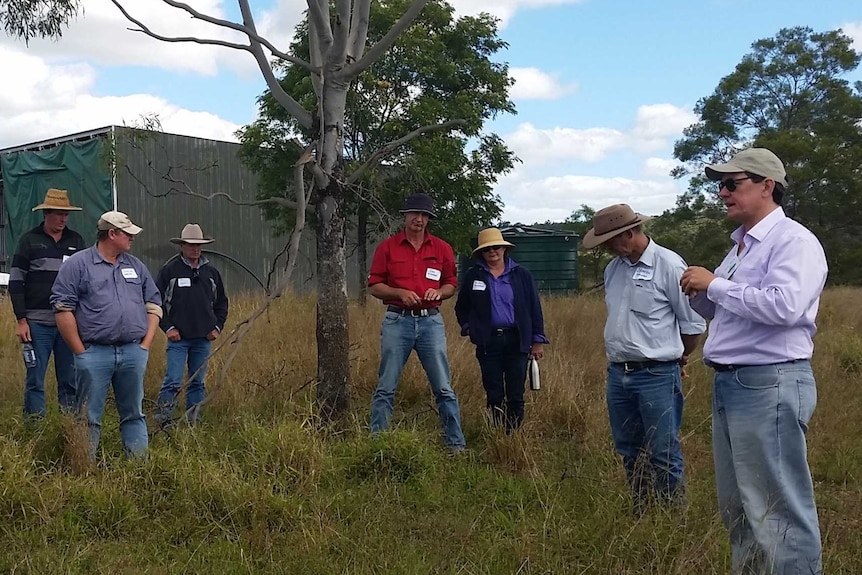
(338, 53)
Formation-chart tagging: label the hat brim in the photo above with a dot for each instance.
(58, 208)
(716, 171)
(189, 241)
(430, 214)
(491, 244)
(592, 240)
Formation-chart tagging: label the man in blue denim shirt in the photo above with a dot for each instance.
(108, 309)
(650, 333)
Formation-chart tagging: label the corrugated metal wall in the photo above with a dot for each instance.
(207, 167)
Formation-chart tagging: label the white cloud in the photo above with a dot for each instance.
(656, 123)
(854, 31)
(50, 101)
(504, 9)
(534, 84)
(658, 167)
(101, 35)
(556, 197)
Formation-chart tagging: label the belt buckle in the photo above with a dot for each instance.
(627, 368)
(423, 312)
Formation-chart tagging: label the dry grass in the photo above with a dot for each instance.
(257, 488)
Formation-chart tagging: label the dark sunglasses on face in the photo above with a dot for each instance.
(489, 248)
(730, 183)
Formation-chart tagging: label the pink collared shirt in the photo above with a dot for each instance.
(764, 301)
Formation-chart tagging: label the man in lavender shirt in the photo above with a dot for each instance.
(762, 301)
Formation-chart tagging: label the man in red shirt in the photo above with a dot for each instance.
(413, 272)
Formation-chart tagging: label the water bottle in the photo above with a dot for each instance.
(29, 355)
(533, 371)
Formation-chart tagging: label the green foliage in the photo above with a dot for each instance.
(440, 69)
(28, 19)
(790, 95)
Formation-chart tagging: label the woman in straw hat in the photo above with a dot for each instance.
(498, 307)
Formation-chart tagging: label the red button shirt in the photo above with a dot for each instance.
(397, 264)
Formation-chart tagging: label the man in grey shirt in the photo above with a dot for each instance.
(108, 309)
(650, 333)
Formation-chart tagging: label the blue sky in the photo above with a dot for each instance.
(603, 87)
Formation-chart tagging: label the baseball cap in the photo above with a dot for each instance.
(758, 161)
(117, 221)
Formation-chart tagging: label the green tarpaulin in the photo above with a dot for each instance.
(79, 167)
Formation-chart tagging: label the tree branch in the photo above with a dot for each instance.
(358, 29)
(250, 32)
(318, 14)
(292, 106)
(353, 70)
(387, 149)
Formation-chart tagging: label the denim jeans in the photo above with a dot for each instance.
(400, 335)
(504, 371)
(194, 353)
(645, 411)
(760, 416)
(47, 339)
(121, 366)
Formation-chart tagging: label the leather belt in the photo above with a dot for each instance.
(640, 365)
(423, 312)
(499, 331)
(733, 367)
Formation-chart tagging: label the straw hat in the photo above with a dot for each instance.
(490, 237)
(610, 222)
(57, 200)
(192, 234)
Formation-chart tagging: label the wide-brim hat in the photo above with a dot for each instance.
(192, 234)
(491, 237)
(610, 222)
(117, 221)
(419, 202)
(758, 161)
(57, 200)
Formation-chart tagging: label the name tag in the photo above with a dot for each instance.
(65, 258)
(184, 282)
(479, 285)
(129, 273)
(642, 273)
(432, 274)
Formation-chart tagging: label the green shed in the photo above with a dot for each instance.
(550, 255)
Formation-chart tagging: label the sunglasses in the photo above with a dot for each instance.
(731, 183)
(489, 248)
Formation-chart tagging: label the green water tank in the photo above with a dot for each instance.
(550, 255)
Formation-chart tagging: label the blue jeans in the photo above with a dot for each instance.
(645, 411)
(193, 352)
(47, 339)
(121, 366)
(504, 371)
(765, 494)
(399, 336)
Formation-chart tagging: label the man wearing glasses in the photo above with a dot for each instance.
(195, 309)
(762, 301)
(107, 308)
(413, 272)
(650, 333)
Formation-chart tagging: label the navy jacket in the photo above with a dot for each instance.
(473, 308)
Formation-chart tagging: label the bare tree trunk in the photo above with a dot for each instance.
(362, 252)
(333, 340)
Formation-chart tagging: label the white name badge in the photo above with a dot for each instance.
(184, 282)
(642, 273)
(432, 274)
(478, 285)
(129, 273)
(65, 258)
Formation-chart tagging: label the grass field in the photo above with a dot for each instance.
(258, 488)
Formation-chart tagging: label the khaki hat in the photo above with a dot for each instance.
(758, 161)
(192, 234)
(117, 221)
(610, 222)
(491, 237)
(57, 200)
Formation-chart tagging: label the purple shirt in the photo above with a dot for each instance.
(502, 298)
(764, 301)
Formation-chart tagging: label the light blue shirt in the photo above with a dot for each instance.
(647, 310)
(764, 301)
